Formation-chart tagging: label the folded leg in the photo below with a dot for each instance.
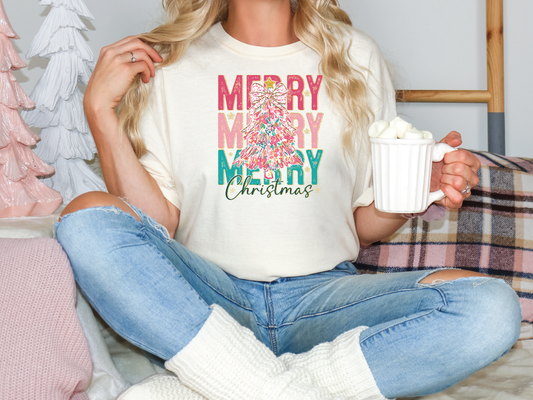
(146, 286)
(167, 300)
(422, 337)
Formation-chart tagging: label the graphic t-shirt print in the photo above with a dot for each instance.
(281, 156)
(270, 134)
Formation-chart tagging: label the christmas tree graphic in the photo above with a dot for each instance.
(66, 138)
(270, 133)
(21, 193)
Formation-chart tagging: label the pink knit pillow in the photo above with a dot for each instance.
(43, 352)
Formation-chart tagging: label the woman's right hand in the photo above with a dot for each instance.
(123, 173)
(115, 71)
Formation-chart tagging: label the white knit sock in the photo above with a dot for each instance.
(339, 366)
(225, 361)
(159, 387)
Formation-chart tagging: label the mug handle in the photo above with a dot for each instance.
(439, 151)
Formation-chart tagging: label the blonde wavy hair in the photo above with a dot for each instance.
(320, 24)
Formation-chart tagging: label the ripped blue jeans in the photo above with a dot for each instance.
(422, 338)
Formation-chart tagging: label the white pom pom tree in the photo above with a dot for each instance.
(21, 193)
(66, 138)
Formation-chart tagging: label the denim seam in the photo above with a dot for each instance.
(203, 280)
(271, 320)
(399, 323)
(360, 301)
(132, 341)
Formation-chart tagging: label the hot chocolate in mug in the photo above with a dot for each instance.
(402, 173)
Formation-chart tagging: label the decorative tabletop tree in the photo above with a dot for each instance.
(270, 134)
(21, 193)
(66, 138)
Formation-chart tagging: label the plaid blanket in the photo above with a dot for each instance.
(492, 233)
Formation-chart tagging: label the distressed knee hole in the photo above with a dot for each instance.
(98, 199)
(450, 275)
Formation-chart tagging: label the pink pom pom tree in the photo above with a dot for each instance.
(270, 134)
(21, 193)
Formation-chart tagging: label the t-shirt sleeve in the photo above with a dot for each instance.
(154, 130)
(381, 93)
(382, 102)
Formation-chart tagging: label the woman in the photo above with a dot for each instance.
(265, 227)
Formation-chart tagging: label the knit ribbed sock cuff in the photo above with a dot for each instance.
(225, 361)
(339, 366)
(222, 352)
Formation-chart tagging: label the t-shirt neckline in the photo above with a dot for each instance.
(220, 35)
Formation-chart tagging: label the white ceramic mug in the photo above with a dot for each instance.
(402, 173)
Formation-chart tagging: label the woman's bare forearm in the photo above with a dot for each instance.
(123, 173)
(373, 225)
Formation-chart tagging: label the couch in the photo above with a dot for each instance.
(492, 233)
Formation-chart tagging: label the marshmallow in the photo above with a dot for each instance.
(388, 133)
(401, 126)
(377, 127)
(413, 133)
(397, 129)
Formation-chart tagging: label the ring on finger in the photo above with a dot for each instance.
(467, 189)
(133, 59)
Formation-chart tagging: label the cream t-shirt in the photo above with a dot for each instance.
(300, 221)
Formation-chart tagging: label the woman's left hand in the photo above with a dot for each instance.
(452, 175)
